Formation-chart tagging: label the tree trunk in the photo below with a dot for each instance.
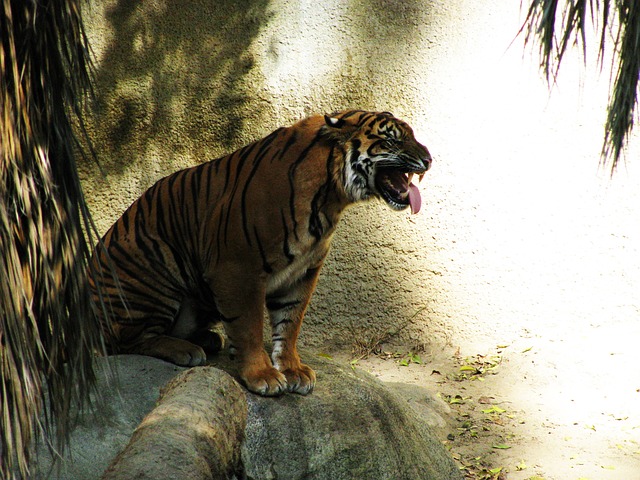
(194, 432)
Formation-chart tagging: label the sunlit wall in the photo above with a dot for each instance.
(520, 231)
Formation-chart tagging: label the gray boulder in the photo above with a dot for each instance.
(129, 387)
(351, 427)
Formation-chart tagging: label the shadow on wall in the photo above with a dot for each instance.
(372, 57)
(172, 76)
(180, 82)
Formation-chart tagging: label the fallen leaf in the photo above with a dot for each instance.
(617, 417)
(468, 368)
(501, 446)
(494, 409)
(486, 400)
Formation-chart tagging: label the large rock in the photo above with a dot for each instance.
(351, 426)
(129, 387)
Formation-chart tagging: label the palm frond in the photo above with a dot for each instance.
(556, 27)
(47, 336)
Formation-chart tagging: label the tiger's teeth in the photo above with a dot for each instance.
(409, 177)
(420, 177)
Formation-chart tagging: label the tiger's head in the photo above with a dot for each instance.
(381, 157)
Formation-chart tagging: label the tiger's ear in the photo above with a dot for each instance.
(337, 129)
(333, 121)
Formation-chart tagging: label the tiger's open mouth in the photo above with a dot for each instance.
(396, 188)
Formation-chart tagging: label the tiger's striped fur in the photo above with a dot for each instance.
(226, 239)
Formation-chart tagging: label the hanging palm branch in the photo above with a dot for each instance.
(47, 338)
(556, 27)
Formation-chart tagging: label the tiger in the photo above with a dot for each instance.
(227, 239)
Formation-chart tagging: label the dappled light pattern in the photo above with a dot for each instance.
(169, 74)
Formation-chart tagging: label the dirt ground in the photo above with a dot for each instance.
(535, 408)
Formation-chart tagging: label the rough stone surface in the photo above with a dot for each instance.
(351, 426)
(129, 387)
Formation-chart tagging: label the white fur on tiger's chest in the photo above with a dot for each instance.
(296, 269)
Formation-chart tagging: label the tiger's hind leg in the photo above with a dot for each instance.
(141, 338)
(175, 350)
(171, 337)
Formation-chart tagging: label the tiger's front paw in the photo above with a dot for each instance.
(267, 382)
(300, 380)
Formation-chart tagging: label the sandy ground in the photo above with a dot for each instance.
(537, 408)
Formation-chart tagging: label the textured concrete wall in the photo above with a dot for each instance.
(517, 223)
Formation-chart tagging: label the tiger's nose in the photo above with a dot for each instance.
(427, 159)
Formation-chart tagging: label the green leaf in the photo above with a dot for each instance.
(494, 409)
(468, 368)
(501, 446)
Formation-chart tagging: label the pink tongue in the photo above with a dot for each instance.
(415, 200)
